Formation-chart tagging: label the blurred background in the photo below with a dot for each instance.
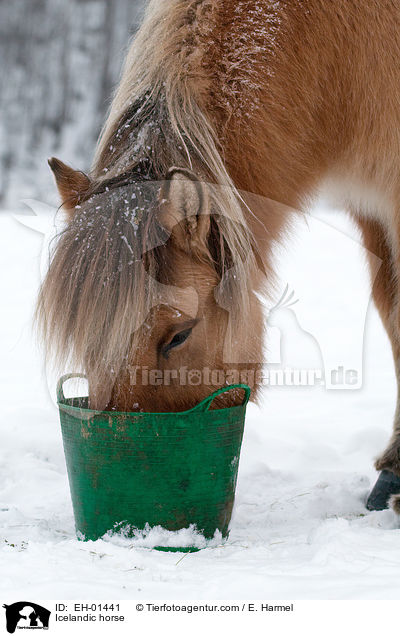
(60, 61)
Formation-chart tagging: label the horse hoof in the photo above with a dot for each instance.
(387, 484)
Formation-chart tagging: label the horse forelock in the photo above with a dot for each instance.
(102, 278)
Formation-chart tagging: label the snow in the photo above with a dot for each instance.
(158, 536)
(300, 529)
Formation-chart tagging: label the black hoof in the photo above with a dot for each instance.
(387, 484)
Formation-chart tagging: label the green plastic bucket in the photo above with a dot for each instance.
(161, 469)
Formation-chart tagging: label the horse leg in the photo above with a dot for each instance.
(386, 294)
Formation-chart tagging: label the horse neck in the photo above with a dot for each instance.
(292, 90)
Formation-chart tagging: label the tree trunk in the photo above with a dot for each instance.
(59, 63)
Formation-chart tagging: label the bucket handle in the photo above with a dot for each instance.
(205, 404)
(60, 384)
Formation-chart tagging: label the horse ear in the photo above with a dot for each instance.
(184, 210)
(71, 184)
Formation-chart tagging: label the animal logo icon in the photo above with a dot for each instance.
(26, 615)
(297, 348)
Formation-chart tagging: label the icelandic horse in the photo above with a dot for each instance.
(227, 106)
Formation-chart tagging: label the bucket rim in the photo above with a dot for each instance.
(202, 407)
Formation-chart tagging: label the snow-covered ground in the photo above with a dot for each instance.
(300, 529)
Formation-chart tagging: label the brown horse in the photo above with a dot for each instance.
(217, 98)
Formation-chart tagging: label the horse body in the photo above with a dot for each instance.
(269, 101)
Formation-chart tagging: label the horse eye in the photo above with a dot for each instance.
(178, 339)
